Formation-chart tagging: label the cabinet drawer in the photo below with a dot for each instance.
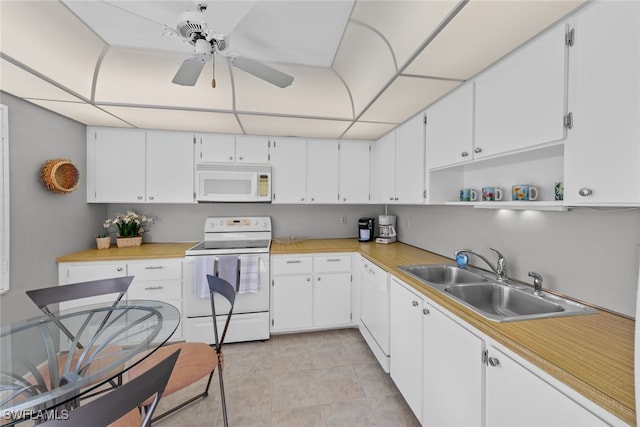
(155, 270)
(162, 290)
(331, 264)
(292, 265)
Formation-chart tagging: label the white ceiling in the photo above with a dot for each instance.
(360, 67)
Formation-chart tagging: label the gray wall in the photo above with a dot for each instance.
(589, 254)
(44, 225)
(186, 222)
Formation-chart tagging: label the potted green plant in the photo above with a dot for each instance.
(129, 228)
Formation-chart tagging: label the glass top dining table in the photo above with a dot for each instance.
(49, 362)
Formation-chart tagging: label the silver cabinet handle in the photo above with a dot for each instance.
(395, 198)
(414, 303)
(425, 311)
(313, 199)
(150, 197)
(319, 278)
(154, 267)
(477, 150)
(308, 279)
(294, 261)
(584, 192)
(119, 269)
(344, 199)
(153, 288)
(230, 157)
(302, 199)
(240, 158)
(464, 154)
(334, 260)
(493, 361)
(139, 197)
(391, 198)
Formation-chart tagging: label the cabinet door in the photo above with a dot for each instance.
(170, 168)
(355, 159)
(322, 171)
(218, 148)
(517, 397)
(119, 166)
(332, 299)
(452, 372)
(602, 150)
(383, 171)
(76, 273)
(375, 304)
(406, 344)
(449, 129)
(520, 102)
(289, 170)
(410, 161)
(252, 149)
(291, 302)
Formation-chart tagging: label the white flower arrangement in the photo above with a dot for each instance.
(129, 224)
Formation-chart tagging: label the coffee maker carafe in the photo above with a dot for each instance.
(387, 229)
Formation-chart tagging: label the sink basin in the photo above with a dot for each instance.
(500, 301)
(443, 274)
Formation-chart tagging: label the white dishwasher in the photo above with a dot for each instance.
(374, 314)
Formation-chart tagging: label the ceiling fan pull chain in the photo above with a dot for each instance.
(213, 79)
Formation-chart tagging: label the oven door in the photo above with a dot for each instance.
(244, 303)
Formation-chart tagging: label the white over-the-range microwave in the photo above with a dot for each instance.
(220, 182)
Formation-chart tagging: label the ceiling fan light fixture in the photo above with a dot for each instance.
(190, 24)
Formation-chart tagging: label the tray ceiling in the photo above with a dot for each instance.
(360, 68)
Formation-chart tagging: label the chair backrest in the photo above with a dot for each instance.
(224, 288)
(56, 294)
(122, 400)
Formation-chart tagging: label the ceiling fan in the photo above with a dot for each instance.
(192, 28)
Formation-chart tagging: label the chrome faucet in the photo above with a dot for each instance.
(500, 268)
(537, 283)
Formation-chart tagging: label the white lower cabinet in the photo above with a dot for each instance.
(452, 375)
(517, 397)
(310, 292)
(154, 279)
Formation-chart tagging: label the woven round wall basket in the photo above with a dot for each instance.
(60, 176)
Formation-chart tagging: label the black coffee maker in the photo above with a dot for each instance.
(366, 229)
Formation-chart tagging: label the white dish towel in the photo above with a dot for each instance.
(202, 266)
(249, 274)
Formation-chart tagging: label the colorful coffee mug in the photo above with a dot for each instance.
(491, 194)
(524, 192)
(559, 191)
(468, 195)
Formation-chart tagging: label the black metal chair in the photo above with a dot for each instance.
(122, 403)
(197, 359)
(224, 288)
(45, 297)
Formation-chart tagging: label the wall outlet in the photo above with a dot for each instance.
(343, 219)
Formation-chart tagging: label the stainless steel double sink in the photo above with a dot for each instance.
(497, 300)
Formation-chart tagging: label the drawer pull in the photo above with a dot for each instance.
(154, 267)
(334, 260)
(153, 288)
(294, 261)
(119, 269)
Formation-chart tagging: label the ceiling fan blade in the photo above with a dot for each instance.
(188, 72)
(262, 71)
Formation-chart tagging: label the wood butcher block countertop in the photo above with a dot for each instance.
(592, 354)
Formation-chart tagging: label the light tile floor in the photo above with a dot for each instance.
(327, 378)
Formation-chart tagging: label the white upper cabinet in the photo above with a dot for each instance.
(289, 170)
(410, 162)
(170, 168)
(355, 160)
(602, 151)
(134, 166)
(217, 148)
(449, 129)
(115, 165)
(383, 170)
(322, 171)
(521, 101)
(221, 148)
(398, 164)
(252, 149)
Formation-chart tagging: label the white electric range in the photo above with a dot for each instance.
(240, 237)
